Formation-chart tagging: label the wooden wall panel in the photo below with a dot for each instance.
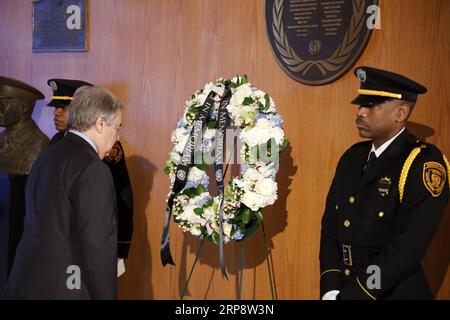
(152, 54)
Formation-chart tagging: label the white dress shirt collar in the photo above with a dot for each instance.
(384, 146)
(86, 138)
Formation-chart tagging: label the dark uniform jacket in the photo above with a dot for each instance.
(375, 225)
(116, 163)
(71, 220)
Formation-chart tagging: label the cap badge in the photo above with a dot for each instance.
(361, 74)
(53, 85)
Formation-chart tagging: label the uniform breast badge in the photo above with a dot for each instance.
(434, 178)
(384, 185)
(115, 154)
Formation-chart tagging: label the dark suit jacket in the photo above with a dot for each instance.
(365, 212)
(70, 221)
(116, 163)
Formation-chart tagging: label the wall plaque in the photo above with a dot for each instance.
(317, 41)
(59, 25)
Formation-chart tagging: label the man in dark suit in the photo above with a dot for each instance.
(386, 199)
(63, 91)
(69, 245)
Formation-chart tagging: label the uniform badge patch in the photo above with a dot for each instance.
(384, 185)
(434, 177)
(116, 154)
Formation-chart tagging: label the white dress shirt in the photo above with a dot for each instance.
(385, 145)
(86, 138)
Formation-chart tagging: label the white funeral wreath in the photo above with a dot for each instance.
(261, 139)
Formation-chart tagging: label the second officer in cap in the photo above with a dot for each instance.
(63, 92)
(386, 199)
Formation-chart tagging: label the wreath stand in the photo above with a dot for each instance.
(241, 266)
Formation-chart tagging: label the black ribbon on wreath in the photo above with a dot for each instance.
(187, 162)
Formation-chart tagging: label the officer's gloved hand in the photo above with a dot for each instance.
(331, 295)
(120, 267)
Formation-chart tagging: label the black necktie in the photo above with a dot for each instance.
(369, 163)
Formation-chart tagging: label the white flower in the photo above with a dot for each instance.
(175, 157)
(209, 229)
(180, 137)
(255, 200)
(240, 114)
(209, 214)
(195, 174)
(260, 134)
(239, 183)
(201, 98)
(240, 94)
(253, 175)
(184, 200)
(172, 179)
(208, 87)
(189, 215)
(268, 171)
(258, 93)
(227, 229)
(263, 123)
(195, 231)
(252, 200)
(266, 187)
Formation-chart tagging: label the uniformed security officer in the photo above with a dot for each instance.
(63, 91)
(386, 199)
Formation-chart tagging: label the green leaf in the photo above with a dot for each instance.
(202, 166)
(191, 192)
(267, 99)
(234, 85)
(212, 124)
(198, 211)
(194, 110)
(216, 238)
(208, 203)
(246, 215)
(200, 189)
(284, 144)
(167, 169)
(260, 105)
(238, 214)
(248, 101)
(228, 191)
(244, 79)
(258, 215)
(251, 230)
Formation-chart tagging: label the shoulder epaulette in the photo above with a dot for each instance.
(447, 164)
(405, 170)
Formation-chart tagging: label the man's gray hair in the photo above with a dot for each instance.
(88, 104)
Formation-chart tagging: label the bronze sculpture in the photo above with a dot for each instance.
(22, 141)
